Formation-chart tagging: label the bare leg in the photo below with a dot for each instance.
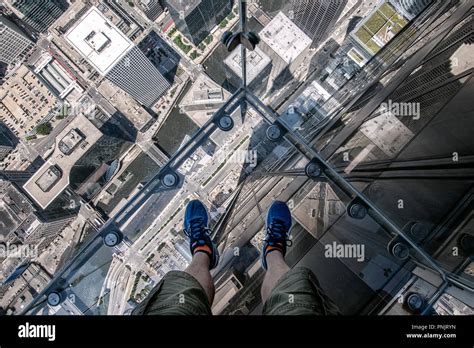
(199, 269)
(277, 267)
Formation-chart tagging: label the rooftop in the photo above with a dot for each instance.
(55, 75)
(69, 142)
(14, 208)
(49, 178)
(257, 61)
(98, 40)
(53, 177)
(377, 29)
(285, 38)
(203, 97)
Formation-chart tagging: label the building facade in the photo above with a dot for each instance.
(196, 18)
(259, 67)
(287, 47)
(14, 43)
(41, 14)
(410, 8)
(152, 8)
(7, 141)
(137, 76)
(113, 55)
(316, 18)
(24, 224)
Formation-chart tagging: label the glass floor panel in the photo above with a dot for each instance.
(351, 133)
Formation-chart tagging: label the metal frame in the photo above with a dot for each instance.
(240, 98)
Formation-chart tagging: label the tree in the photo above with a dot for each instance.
(224, 23)
(44, 129)
(208, 39)
(194, 54)
(179, 41)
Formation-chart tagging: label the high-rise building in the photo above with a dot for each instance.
(24, 225)
(410, 8)
(316, 18)
(206, 96)
(41, 14)
(16, 177)
(183, 248)
(377, 29)
(3, 71)
(259, 66)
(286, 45)
(5, 148)
(14, 43)
(135, 74)
(151, 8)
(52, 178)
(7, 143)
(114, 56)
(196, 18)
(40, 231)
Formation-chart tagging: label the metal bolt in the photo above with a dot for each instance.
(273, 132)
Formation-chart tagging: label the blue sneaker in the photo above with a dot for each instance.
(196, 227)
(278, 226)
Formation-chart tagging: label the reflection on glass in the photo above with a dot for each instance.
(342, 117)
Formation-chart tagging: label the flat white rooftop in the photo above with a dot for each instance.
(98, 40)
(256, 62)
(53, 177)
(285, 38)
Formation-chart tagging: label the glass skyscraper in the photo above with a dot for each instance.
(196, 18)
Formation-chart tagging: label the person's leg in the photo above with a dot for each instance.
(278, 226)
(199, 269)
(277, 268)
(178, 293)
(190, 292)
(288, 291)
(203, 249)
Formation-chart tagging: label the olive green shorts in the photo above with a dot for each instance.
(296, 293)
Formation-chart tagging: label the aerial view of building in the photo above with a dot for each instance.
(286, 45)
(40, 15)
(53, 177)
(114, 56)
(7, 141)
(259, 67)
(14, 42)
(376, 30)
(196, 18)
(315, 18)
(237, 158)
